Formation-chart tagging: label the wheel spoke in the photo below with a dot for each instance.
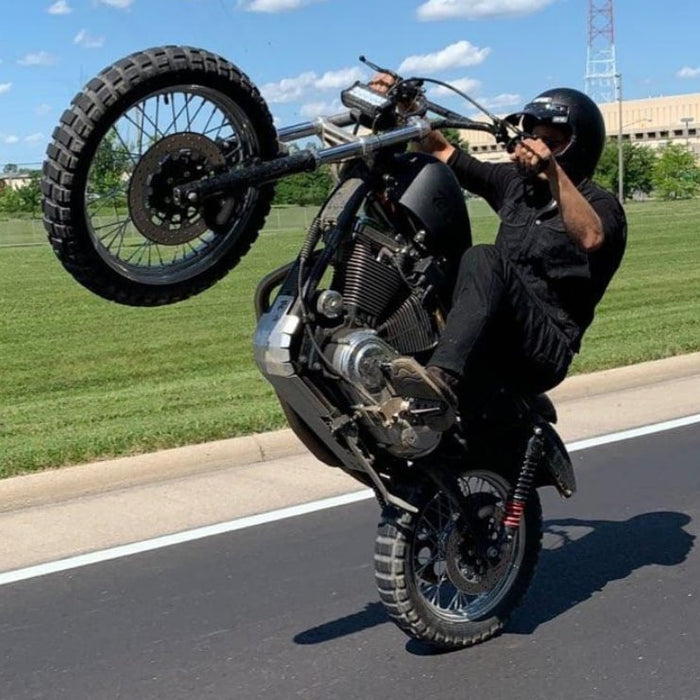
(205, 128)
(139, 251)
(202, 104)
(111, 225)
(217, 129)
(457, 602)
(173, 124)
(105, 204)
(113, 170)
(140, 109)
(125, 147)
(449, 598)
(117, 234)
(163, 239)
(157, 120)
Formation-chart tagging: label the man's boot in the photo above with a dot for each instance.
(432, 385)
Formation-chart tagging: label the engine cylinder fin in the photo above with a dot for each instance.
(367, 284)
(410, 329)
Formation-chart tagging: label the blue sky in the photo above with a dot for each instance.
(302, 52)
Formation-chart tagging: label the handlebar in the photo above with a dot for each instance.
(365, 104)
(302, 161)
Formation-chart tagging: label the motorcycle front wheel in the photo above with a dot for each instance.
(449, 584)
(154, 120)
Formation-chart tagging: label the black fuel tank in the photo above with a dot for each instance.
(429, 191)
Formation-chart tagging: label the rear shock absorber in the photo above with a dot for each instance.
(523, 488)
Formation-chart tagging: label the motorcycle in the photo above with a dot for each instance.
(157, 181)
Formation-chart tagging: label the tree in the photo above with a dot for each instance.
(454, 136)
(10, 168)
(10, 201)
(638, 163)
(677, 174)
(110, 165)
(305, 188)
(26, 198)
(30, 194)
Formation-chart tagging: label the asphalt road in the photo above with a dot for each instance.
(289, 609)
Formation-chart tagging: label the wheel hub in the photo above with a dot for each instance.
(174, 160)
(476, 561)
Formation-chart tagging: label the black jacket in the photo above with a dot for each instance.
(567, 281)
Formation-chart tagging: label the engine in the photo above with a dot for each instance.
(385, 285)
(382, 302)
(385, 288)
(359, 357)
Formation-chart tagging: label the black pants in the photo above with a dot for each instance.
(497, 332)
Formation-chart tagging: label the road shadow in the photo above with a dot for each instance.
(589, 554)
(371, 615)
(585, 556)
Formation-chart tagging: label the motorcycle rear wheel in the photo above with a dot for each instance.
(153, 120)
(430, 581)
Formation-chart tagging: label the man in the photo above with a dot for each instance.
(521, 306)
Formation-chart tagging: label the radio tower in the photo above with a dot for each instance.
(601, 71)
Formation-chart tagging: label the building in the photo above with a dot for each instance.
(14, 180)
(653, 121)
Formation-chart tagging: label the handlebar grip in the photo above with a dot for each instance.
(543, 163)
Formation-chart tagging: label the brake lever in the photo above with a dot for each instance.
(379, 69)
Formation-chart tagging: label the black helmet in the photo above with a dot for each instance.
(576, 112)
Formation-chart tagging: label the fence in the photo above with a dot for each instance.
(28, 231)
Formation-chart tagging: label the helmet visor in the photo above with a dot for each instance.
(541, 110)
(545, 111)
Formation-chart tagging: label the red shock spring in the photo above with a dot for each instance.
(514, 511)
(516, 505)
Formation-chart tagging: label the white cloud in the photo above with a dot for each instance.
(467, 85)
(34, 138)
(455, 55)
(88, 41)
(337, 79)
(478, 9)
(119, 4)
(10, 139)
(43, 109)
(272, 6)
(471, 86)
(291, 89)
(500, 104)
(688, 72)
(506, 99)
(60, 7)
(40, 58)
(318, 109)
(5, 87)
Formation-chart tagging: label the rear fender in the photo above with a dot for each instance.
(556, 463)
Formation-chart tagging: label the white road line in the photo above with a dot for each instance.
(283, 513)
(633, 433)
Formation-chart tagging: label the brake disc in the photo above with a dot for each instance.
(475, 570)
(173, 161)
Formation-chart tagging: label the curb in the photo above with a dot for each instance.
(67, 483)
(609, 381)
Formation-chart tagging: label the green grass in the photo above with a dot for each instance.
(84, 379)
